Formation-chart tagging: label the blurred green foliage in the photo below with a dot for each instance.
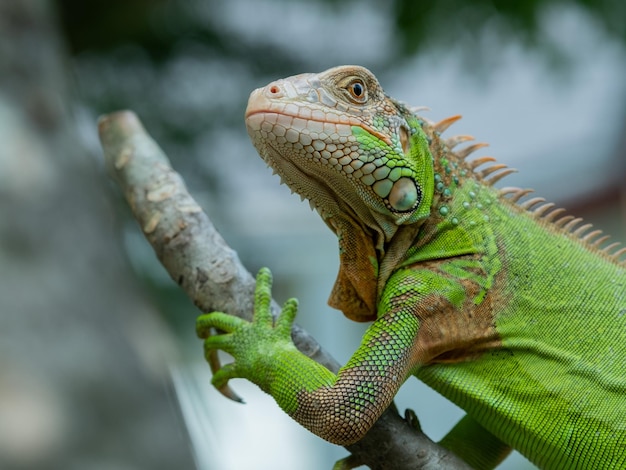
(158, 25)
(440, 23)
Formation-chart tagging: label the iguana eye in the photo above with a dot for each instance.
(404, 195)
(357, 90)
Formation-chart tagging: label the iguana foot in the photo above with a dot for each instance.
(253, 345)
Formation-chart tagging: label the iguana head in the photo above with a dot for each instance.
(358, 156)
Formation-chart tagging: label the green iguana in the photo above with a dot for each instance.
(504, 307)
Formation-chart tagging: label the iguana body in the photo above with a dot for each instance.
(509, 312)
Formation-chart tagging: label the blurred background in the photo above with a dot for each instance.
(99, 365)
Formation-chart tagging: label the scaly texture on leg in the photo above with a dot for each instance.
(339, 408)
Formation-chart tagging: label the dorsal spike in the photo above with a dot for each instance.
(572, 223)
(417, 109)
(480, 161)
(491, 169)
(591, 235)
(531, 202)
(563, 220)
(600, 241)
(553, 215)
(618, 254)
(509, 190)
(543, 209)
(517, 193)
(582, 229)
(453, 141)
(498, 176)
(464, 152)
(442, 125)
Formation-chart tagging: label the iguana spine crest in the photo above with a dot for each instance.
(546, 212)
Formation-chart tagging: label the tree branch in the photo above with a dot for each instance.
(209, 271)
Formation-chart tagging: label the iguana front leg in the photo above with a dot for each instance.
(262, 348)
(339, 408)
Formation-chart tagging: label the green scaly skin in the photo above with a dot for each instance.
(509, 312)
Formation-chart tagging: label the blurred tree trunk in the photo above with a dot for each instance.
(77, 388)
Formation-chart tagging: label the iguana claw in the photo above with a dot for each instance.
(411, 418)
(247, 341)
(215, 365)
(210, 328)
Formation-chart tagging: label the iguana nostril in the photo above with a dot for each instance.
(274, 90)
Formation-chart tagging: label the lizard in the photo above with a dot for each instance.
(502, 303)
